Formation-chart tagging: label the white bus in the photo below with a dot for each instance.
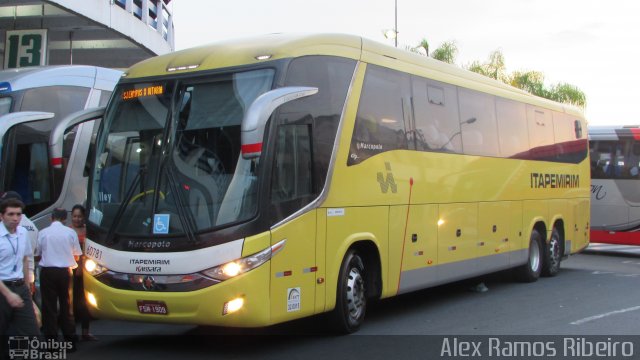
(33, 103)
(615, 180)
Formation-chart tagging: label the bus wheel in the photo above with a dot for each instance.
(351, 300)
(530, 271)
(553, 255)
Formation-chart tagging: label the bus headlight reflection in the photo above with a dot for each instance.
(91, 299)
(93, 267)
(237, 267)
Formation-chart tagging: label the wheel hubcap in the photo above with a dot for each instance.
(534, 256)
(355, 294)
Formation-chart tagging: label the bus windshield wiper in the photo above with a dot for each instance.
(123, 206)
(186, 219)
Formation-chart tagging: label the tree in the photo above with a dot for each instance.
(446, 52)
(493, 68)
(568, 94)
(529, 81)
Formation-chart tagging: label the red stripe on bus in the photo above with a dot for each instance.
(636, 133)
(252, 148)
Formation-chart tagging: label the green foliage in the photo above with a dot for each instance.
(446, 52)
(495, 68)
(529, 81)
(568, 94)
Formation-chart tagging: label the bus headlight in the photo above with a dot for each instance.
(234, 268)
(93, 267)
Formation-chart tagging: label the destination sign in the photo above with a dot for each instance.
(153, 90)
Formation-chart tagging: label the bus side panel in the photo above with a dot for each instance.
(420, 255)
(457, 237)
(580, 226)
(346, 226)
(293, 277)
(533, 211)
(494, 228)
(397, 227)
(559, 210)
(517, 235)
(321, 260)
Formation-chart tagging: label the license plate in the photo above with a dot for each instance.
(152, 307)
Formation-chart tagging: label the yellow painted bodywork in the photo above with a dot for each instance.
(447, 208)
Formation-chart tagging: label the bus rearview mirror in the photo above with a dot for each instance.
(258, 113)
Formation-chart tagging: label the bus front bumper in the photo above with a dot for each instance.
(208, 306)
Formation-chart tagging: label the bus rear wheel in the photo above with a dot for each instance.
(553, 255)
(530, 271)
(351, 299)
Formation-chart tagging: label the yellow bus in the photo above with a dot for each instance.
(253, 182)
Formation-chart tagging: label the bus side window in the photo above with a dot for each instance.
(60, 100)
(435, 110)
(292, 173)
(380, 121)
(292, 166)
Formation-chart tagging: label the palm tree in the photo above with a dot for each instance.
(493, 68)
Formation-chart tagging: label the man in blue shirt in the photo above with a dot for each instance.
(16, 308)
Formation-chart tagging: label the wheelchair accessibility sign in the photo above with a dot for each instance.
(161, 223)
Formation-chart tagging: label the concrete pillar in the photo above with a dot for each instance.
(145, 12)
(159, 16)
(129, 6)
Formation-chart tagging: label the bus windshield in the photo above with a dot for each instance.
(168, 158)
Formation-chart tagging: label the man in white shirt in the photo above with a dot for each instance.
(16, 308)
(32, 235)
(58, 250)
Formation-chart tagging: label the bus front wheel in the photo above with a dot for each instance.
(530, 271)
(351, 300)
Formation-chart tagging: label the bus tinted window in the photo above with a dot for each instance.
(540, 133)
(5, 105)
(104, 97)
(292, 168)
(380, 120)
(615, 159)
(332, 76)
(478, 123)
(435, 110)
(512, 128)
(60, 100)
(30, 172)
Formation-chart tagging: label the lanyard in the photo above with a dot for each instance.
(14, 249)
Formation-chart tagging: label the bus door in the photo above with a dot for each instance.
(24, 158)
(294, 269)
(69, 143)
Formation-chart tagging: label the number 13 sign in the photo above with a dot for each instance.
(25, 48)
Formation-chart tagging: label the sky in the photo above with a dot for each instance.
(592, 44)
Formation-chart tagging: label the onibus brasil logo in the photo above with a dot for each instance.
(33, 348)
